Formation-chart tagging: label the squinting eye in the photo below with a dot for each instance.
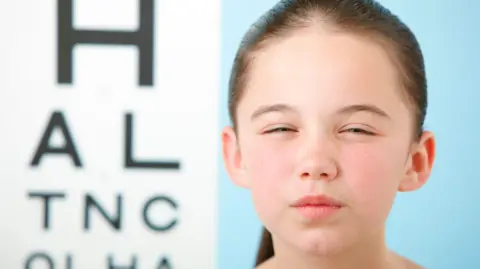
(359, 131)
(279, 130)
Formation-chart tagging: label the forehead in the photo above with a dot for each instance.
(317, 66)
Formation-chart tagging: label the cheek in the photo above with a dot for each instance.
(269, 169)
(372, 174)
(268, 166)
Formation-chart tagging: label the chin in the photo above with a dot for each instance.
(323, 242)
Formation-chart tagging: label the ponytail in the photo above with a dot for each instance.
(265, 251)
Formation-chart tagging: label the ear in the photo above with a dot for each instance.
(420, 163)
(232, 158)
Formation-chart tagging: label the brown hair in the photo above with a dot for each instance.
(365, 18)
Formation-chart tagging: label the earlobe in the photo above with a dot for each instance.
(420, 164)
(232, 158)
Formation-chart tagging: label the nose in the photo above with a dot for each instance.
(318, 160)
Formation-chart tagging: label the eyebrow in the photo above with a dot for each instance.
(364, 107)
(344, 110)
(271, 108)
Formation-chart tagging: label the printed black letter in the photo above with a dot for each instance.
(129, 160)
(68, 37)
(46, 204)
(57, 120)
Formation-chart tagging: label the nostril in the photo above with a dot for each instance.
(305, 175)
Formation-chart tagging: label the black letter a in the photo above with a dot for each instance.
(57, 120)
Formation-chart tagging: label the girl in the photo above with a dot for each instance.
(327, 100)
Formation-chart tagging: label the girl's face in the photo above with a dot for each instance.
(322, 115)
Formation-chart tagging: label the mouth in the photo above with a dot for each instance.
(317, 207)
(317, 200)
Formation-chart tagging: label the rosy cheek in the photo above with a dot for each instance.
(269, 164)
(370, 180)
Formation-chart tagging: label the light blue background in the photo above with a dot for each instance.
(438, 225)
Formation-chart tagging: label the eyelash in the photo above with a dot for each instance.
(359, 131)
(351, 130)
(279, 130)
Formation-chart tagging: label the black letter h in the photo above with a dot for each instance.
(68, 37)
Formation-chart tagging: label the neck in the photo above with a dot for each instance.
(371, 253)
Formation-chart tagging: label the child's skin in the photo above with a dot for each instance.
(322, 114)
